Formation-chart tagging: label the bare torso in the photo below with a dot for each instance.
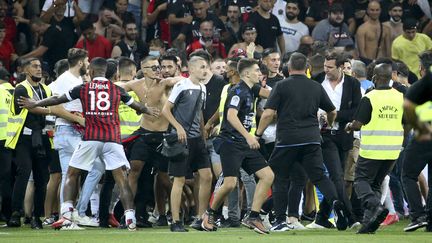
(153, 94)
(371, 38)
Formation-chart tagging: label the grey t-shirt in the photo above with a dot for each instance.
(334, 35)
(184, 96)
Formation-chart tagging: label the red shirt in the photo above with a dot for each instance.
(6, 50)
(218, 47)
(100, 100)
(100, 47)
(11, 30)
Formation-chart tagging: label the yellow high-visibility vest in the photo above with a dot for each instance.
(5, 100)
(382, 137)
(16, 121)
(424, 112)
(129, 119)
(224, 96)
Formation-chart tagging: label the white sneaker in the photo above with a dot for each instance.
(48, 221)
(84, 220)
(153, 218)
(296, 226)
(314, 225)
(132, 227)
(356, 226)
(71, 226)
(65, 224)
(265, 221)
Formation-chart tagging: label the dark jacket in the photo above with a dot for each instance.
(351, 96)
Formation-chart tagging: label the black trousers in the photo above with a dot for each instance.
(5, 180)
(105, 197)
(335, 153)
(310, 158)
(287, 192)
(28, 160)
(417, 156)
(369, 175)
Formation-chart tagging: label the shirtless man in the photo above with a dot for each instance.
(370, 45)
(154, 92)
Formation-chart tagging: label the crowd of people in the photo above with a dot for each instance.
(273, 114)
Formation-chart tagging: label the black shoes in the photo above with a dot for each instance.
(375, 221)
(340, 217)
(196, 224)
(229, 223)
(416, 224)
(36, 223)
(15, 220)
(143, 222)
(178, 227)
(308, 217)
(162, 221)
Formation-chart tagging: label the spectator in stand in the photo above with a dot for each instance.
(53, 46)
(108, 25)
(320, 9)
(120, 9)
(408, 46)
(157, 21)
(8, 21)
(373, 37)
(7, 51)
(70, 9)
(292, 28)
(130, 46)
(179, 16)
(67, 24)
(96, 45)
(395, 12)
(267, 26)
(156, 48)
(201, 14)
(233, 25)
(333, 30)
(248, 36)
(207, 41)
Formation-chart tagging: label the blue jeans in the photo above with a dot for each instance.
(66, 140)
(90, 183)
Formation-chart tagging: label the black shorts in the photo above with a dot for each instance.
(54, 165)
(236, 155)
(197, 159)
(145, 149)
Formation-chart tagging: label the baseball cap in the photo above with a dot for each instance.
(336, 8)
(409, 24)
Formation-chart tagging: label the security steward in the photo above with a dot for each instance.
(379, 117)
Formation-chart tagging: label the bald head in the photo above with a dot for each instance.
(382, 73)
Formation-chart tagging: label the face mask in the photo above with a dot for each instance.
(154, 53)
(36, 79)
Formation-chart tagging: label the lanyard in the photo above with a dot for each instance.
(36, 93)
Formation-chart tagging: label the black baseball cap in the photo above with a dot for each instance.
(409, 24)
(336, 8)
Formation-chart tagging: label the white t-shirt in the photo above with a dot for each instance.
(63, 85)
(279, 9)
(292, 33)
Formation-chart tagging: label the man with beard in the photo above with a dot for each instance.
(395, 23)
(333, 30)
(207, 41)
(292, 28)
(320, 9)
(154, 92)
(233, 24)
(130, 46)
(95, 44)
(373, 38)
(267, 26)
(108, 24)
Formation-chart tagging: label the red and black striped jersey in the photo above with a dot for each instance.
(100, 100)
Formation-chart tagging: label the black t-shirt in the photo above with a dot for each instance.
(68, 29)
(195, 26)
(214, 89)
(272, 81)
(180, 8)
(242, 98)
(54, 39)
(409, 11)
(421, 91)
(296, 100)
(267, 29)
(33, 121)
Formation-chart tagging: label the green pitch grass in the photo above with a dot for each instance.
(389, 234)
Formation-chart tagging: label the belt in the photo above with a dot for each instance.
(331, 132)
